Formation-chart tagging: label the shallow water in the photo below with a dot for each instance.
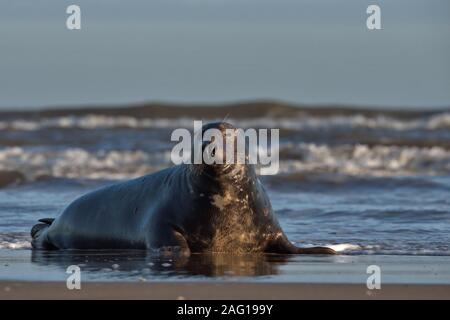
(410, 218)
(138, 267)
(372, 183)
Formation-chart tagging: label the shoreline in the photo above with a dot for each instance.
(12, 290)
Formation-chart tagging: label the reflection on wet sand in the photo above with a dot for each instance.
(132, 264)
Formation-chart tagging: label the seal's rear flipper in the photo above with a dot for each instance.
(283, 246)
(39, 234)
(316, 250)
(48, 221)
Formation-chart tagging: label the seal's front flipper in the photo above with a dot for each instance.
(175, 244)
(39, 235)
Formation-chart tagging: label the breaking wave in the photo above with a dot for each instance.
(349, 159)
(298, 122)
(362, 159)
(80, 163)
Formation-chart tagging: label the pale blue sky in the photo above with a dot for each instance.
(312, 51)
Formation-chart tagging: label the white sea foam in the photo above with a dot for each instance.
(305, 121)
(366, 160)
(15, 245)
(93, 121)
(303, 158)
(344, 247)
(15, 241)
(80, 163)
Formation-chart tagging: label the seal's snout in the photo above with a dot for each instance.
(219, 143)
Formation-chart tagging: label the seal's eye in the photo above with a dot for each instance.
(213, 152)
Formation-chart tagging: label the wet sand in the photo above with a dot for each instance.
(217, 290)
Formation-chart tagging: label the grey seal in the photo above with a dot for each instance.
(187, 208)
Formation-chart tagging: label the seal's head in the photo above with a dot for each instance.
(222, 154)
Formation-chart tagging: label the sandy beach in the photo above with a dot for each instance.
(23, 275)
(217, 290)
